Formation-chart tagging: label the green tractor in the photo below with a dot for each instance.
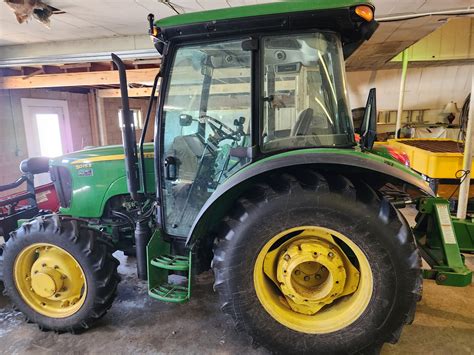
(255, 173)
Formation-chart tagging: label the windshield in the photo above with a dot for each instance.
(305, 101)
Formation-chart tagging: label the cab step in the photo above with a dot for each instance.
(170, 293)
(164, 268)
(171, 262)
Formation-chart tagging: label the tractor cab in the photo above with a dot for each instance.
(235, 94)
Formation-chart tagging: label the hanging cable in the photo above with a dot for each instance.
(17, 148)
(461, 175)
(170, 5)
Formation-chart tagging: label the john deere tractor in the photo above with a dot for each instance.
(254, 172)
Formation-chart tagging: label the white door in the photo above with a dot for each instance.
(47, 130)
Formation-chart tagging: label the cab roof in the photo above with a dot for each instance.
(255, 10)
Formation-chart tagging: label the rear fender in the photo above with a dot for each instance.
(365, 164)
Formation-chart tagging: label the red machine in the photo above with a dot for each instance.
(30, 203)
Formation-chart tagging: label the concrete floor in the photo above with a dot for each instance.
(444, 324)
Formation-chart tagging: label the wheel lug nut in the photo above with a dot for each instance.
(43, 265)
(318, 277)
(286, 257)
(331, 254)
(297, 272)
(306, 278)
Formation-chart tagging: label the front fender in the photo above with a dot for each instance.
(343, 159)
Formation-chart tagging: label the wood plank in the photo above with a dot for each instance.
(132, 92)
(135, 76)
(76, 66)
(216, 89)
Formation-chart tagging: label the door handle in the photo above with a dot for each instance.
(170, 168)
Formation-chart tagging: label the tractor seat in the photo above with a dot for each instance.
(35, 165)
(303, 123)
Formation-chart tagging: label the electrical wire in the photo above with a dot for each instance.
(17, 148)
(170, 5)
(200, 5)
(457, 12)
(124, 216)
(461, 175)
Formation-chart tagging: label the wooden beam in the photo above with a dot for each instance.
(132, 92)
(135, 76)
(36, 72)
(76, 66)
(93, 118)
(221, 89)
(185, 73)
(216, 89)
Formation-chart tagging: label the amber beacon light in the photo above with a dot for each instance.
(365, 12)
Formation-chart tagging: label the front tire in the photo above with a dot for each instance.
(283, 221)
(60, 273)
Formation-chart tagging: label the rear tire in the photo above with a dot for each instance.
(334, 202)
(74, 258)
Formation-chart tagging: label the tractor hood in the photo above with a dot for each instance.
(96, 154)
(88, 179)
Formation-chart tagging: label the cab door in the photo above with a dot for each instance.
(206, 117)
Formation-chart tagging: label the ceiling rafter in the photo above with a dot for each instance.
(137, 76)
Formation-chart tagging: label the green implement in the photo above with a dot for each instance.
(438, 243)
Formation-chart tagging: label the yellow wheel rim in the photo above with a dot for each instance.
(50, 280)
(313, 279)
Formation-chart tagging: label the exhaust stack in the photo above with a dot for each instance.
(129, 140)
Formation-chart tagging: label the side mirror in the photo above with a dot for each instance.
(185, 120)
(239, 121)
(368, 128)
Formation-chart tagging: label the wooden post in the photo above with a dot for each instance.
(402, 93)
(93, 118)
(101, 119)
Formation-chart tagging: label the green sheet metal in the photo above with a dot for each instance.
(98, 174)
(161, 262)
(255, 10)
(464, 229)
(438, 244)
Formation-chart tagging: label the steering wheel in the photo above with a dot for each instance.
(221, 130)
